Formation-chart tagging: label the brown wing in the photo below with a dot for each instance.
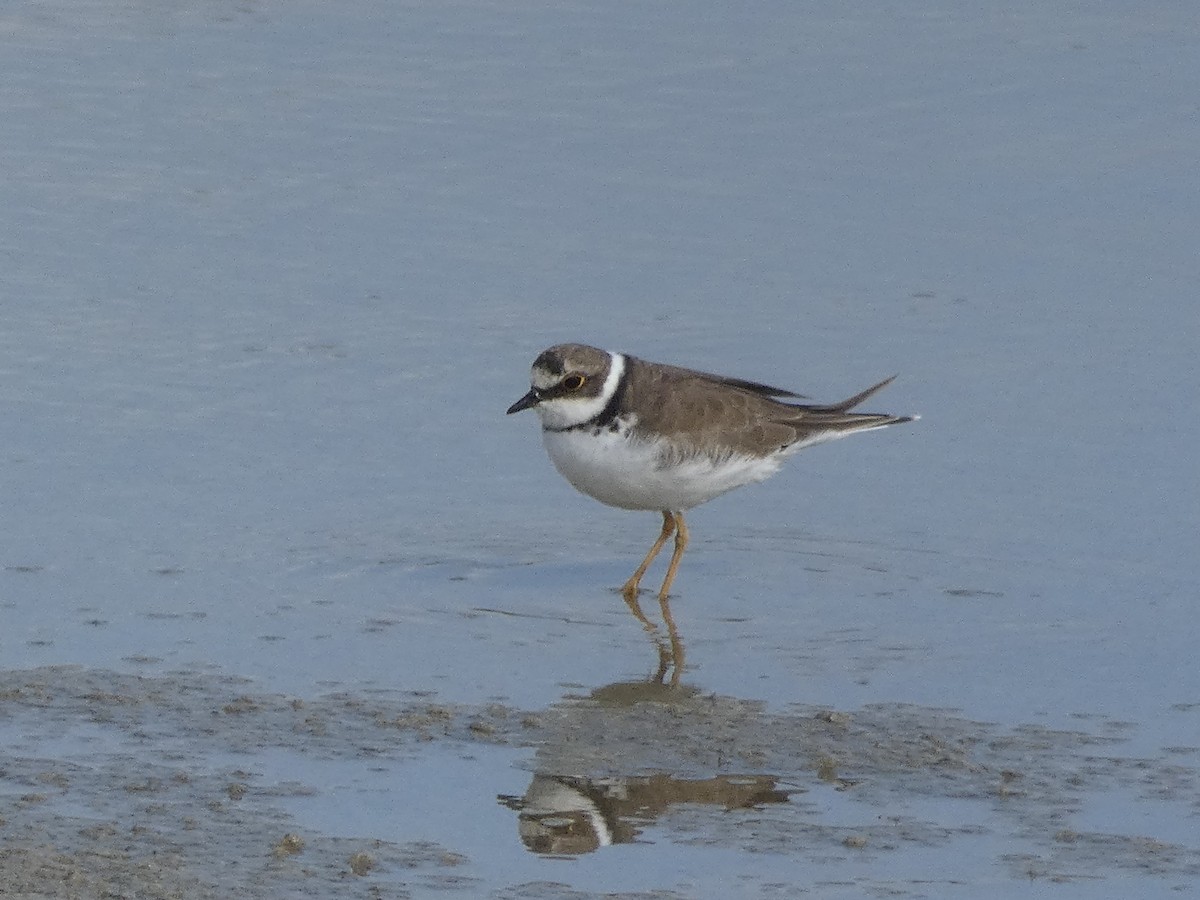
(723, 414)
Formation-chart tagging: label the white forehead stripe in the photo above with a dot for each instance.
(542, 380)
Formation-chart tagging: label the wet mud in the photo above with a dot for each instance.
(159, 786)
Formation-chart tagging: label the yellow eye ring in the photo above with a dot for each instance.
(573, 382)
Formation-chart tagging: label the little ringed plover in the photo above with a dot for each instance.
(643, 435)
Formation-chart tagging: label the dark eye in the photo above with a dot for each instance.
(573, 382)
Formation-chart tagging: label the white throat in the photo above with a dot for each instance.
(567, 412)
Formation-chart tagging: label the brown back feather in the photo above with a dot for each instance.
(742, 415)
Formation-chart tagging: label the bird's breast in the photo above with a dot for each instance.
(619, 468)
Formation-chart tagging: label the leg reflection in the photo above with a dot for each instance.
(669, 646)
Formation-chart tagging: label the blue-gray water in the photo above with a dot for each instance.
(272, 272)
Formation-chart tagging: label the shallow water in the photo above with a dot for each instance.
(271, 276)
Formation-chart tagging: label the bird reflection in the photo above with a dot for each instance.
(565, 815)
(579, 800)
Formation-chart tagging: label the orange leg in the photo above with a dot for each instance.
(630, 587)
(681, 542)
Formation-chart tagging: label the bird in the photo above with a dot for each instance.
(642, 435)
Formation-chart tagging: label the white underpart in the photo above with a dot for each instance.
(621, 470)
(566, 412)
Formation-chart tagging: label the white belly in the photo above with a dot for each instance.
(636, 474)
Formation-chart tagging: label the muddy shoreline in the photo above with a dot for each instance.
(160, 786)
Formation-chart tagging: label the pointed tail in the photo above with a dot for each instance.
(824, 422)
